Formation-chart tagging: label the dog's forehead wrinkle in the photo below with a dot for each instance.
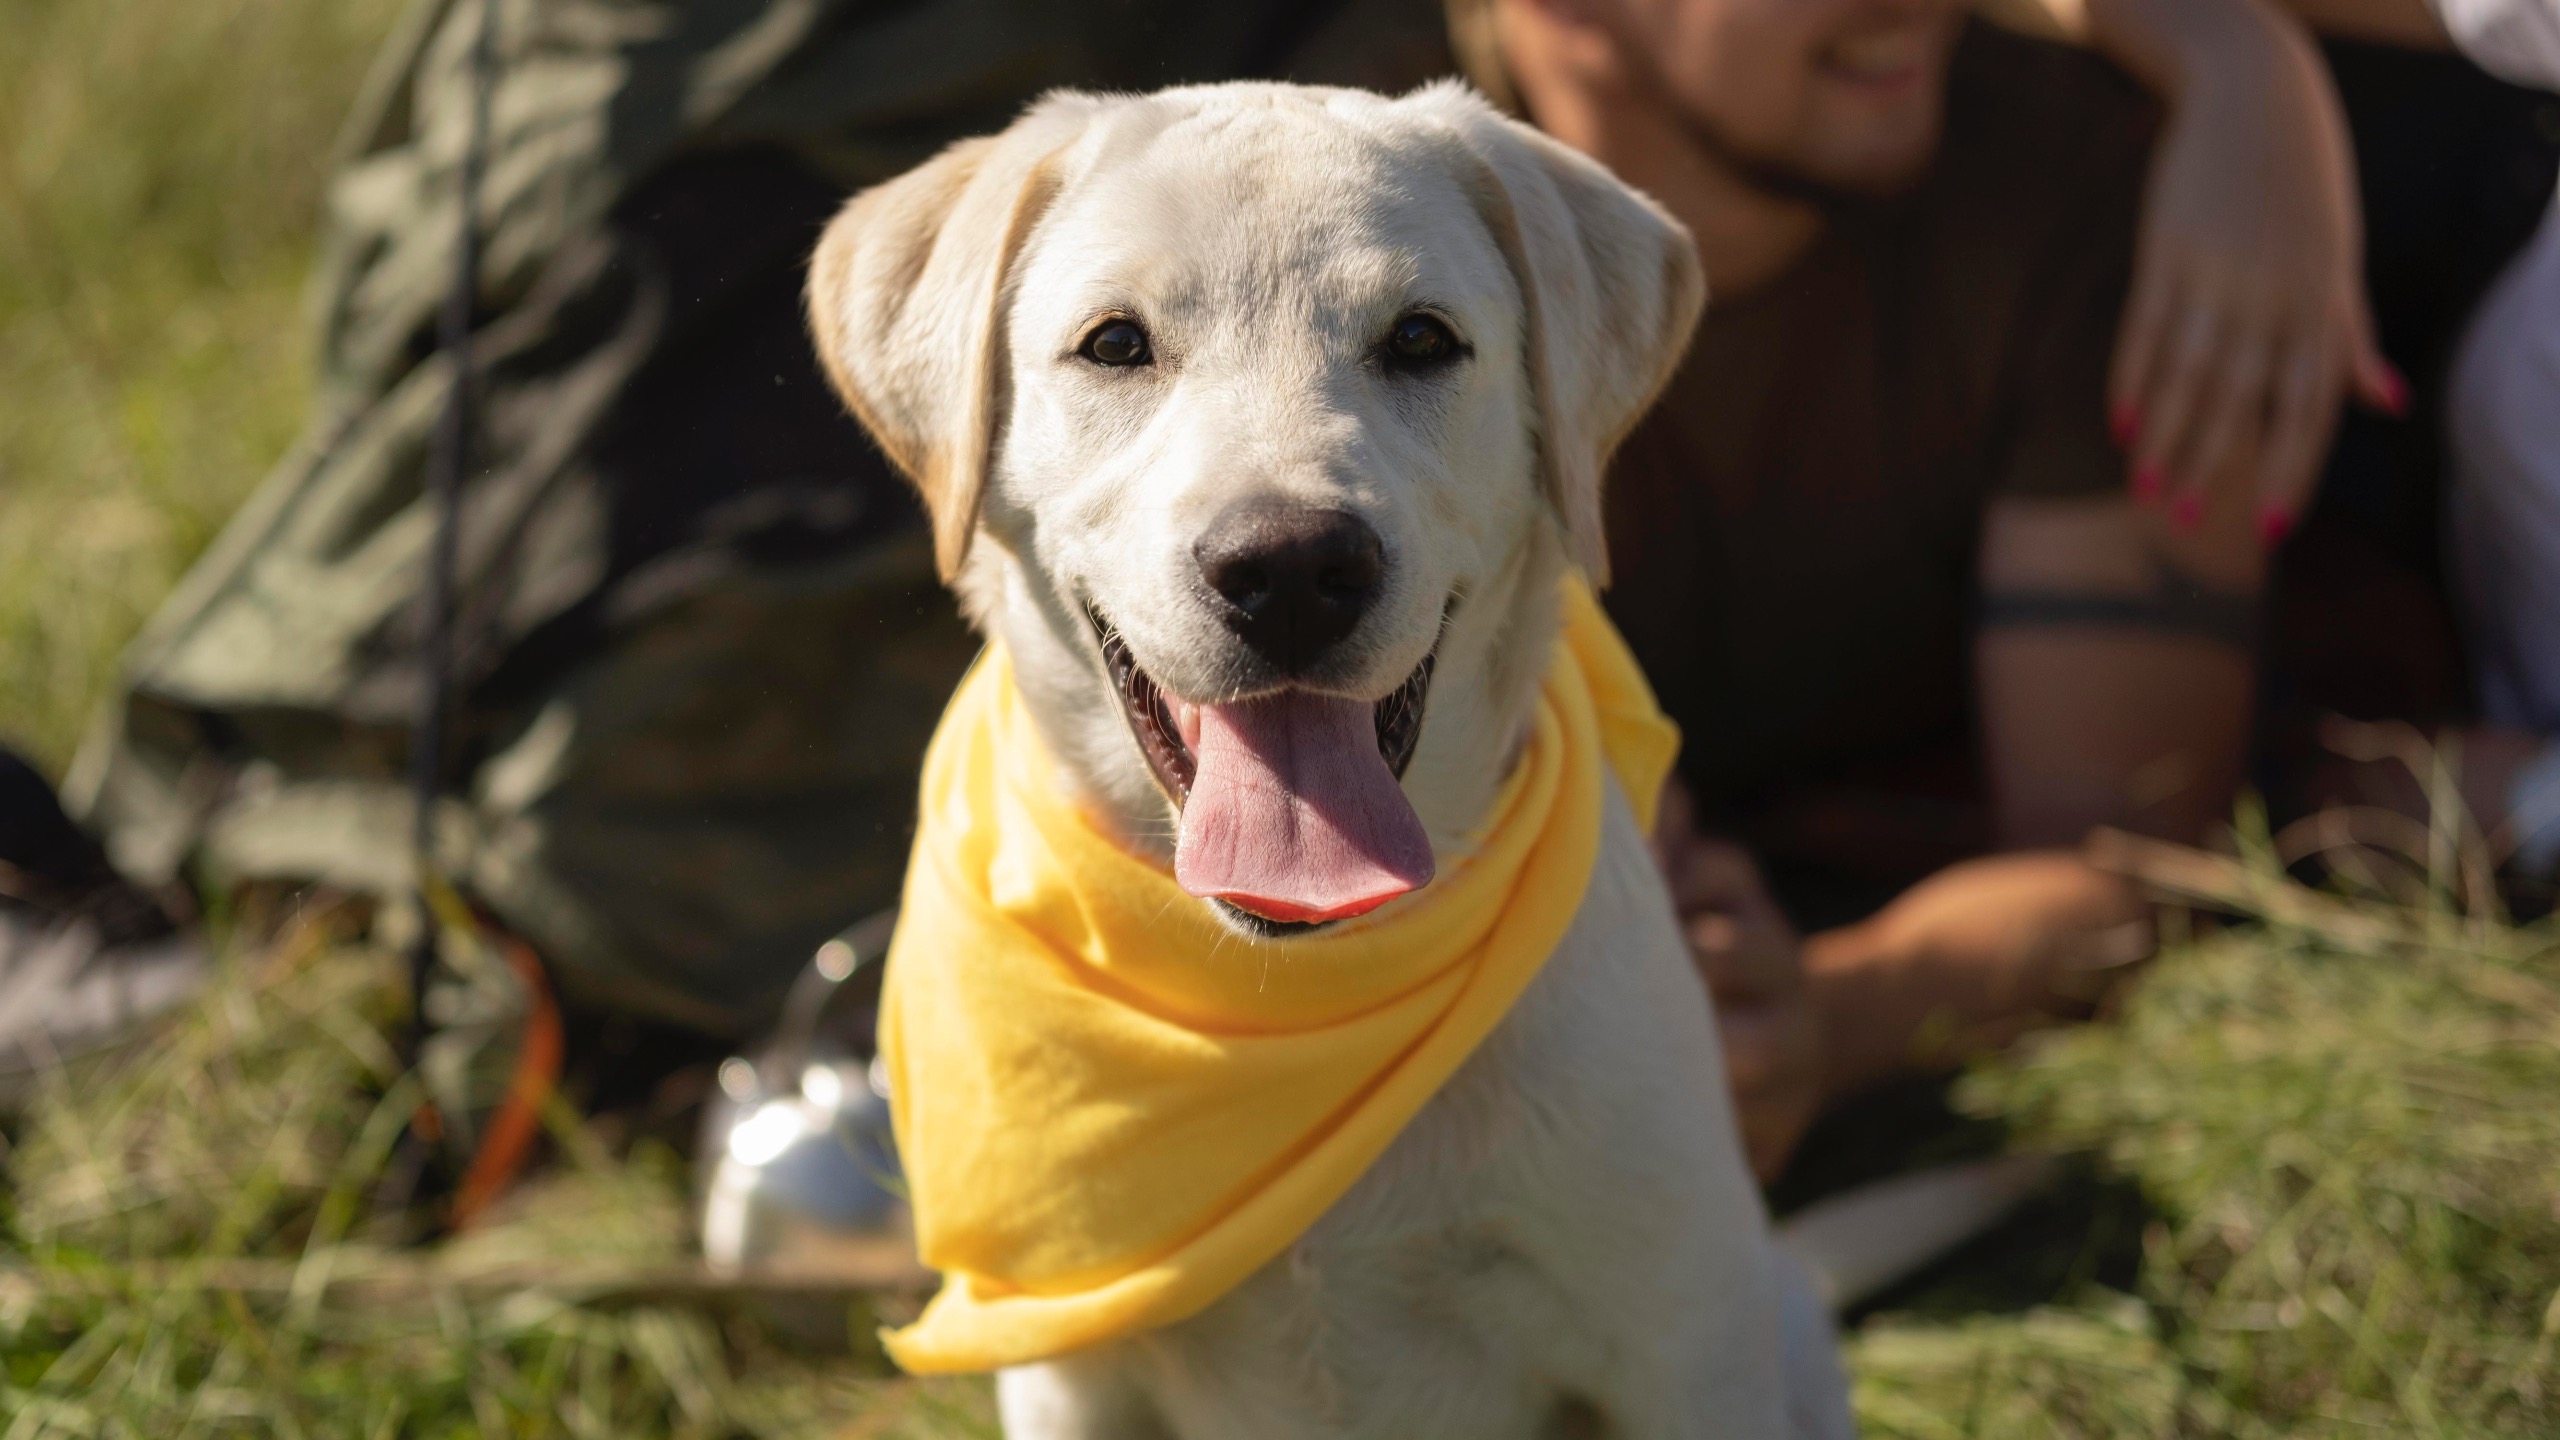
(1291, 202)
(1249, 136)
(1212, 260)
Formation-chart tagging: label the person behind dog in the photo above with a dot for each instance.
(1878, 526)
(1941, 548)
(700, 642)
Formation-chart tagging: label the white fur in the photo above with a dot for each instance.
(1565, 1241)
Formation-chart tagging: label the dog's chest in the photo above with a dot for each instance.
(1532, 1242)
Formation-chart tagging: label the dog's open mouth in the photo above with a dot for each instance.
(1291, 810)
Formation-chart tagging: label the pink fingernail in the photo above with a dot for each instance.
(2395, 393)
(2188, 513)
(2273, 526)
(2148, 482)
(2124, 423)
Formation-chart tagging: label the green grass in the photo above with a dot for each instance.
(161, 167)
(2353, 1163)
(2322, 1151)
(2339, 1124)
(2333, 1133)
(160, 172)
(188, 1230)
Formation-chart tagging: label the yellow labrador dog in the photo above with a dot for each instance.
(1259, 419)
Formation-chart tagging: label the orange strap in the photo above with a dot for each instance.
(510, 1136)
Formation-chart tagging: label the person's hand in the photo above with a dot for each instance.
(1752, 962)
(2248, 323)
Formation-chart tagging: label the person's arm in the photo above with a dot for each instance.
(2115, 681)
(2115, 686)
(2410, 24)
(1964, 962)
(2247, 324)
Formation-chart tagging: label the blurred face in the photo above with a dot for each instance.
(1827, 95)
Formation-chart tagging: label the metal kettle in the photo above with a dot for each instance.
(796, 1160)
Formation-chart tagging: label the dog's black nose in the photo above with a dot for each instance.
(1295, 580)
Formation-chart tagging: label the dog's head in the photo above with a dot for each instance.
(1258, 420)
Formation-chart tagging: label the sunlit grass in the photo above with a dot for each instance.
(2342, 1120)
(2341, 1130)
(189, 1227)
(160, 173)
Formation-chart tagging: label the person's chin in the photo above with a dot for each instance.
(1883, 151)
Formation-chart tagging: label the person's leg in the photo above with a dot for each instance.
(2504, 533)
(85, 955)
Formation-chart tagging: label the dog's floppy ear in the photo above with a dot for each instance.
(1612, 286)
(905, 297)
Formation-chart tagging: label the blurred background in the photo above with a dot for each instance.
(164, 181)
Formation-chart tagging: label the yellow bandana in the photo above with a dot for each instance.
(1111, 1110)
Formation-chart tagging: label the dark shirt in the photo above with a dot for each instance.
(1794, 527)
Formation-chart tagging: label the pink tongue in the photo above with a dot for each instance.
(1293, 813)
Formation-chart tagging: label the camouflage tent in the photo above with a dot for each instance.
(699, 644)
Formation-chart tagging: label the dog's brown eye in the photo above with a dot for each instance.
(1421, 340)
(1119, 343)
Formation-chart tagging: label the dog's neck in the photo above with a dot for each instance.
(1492, 657)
